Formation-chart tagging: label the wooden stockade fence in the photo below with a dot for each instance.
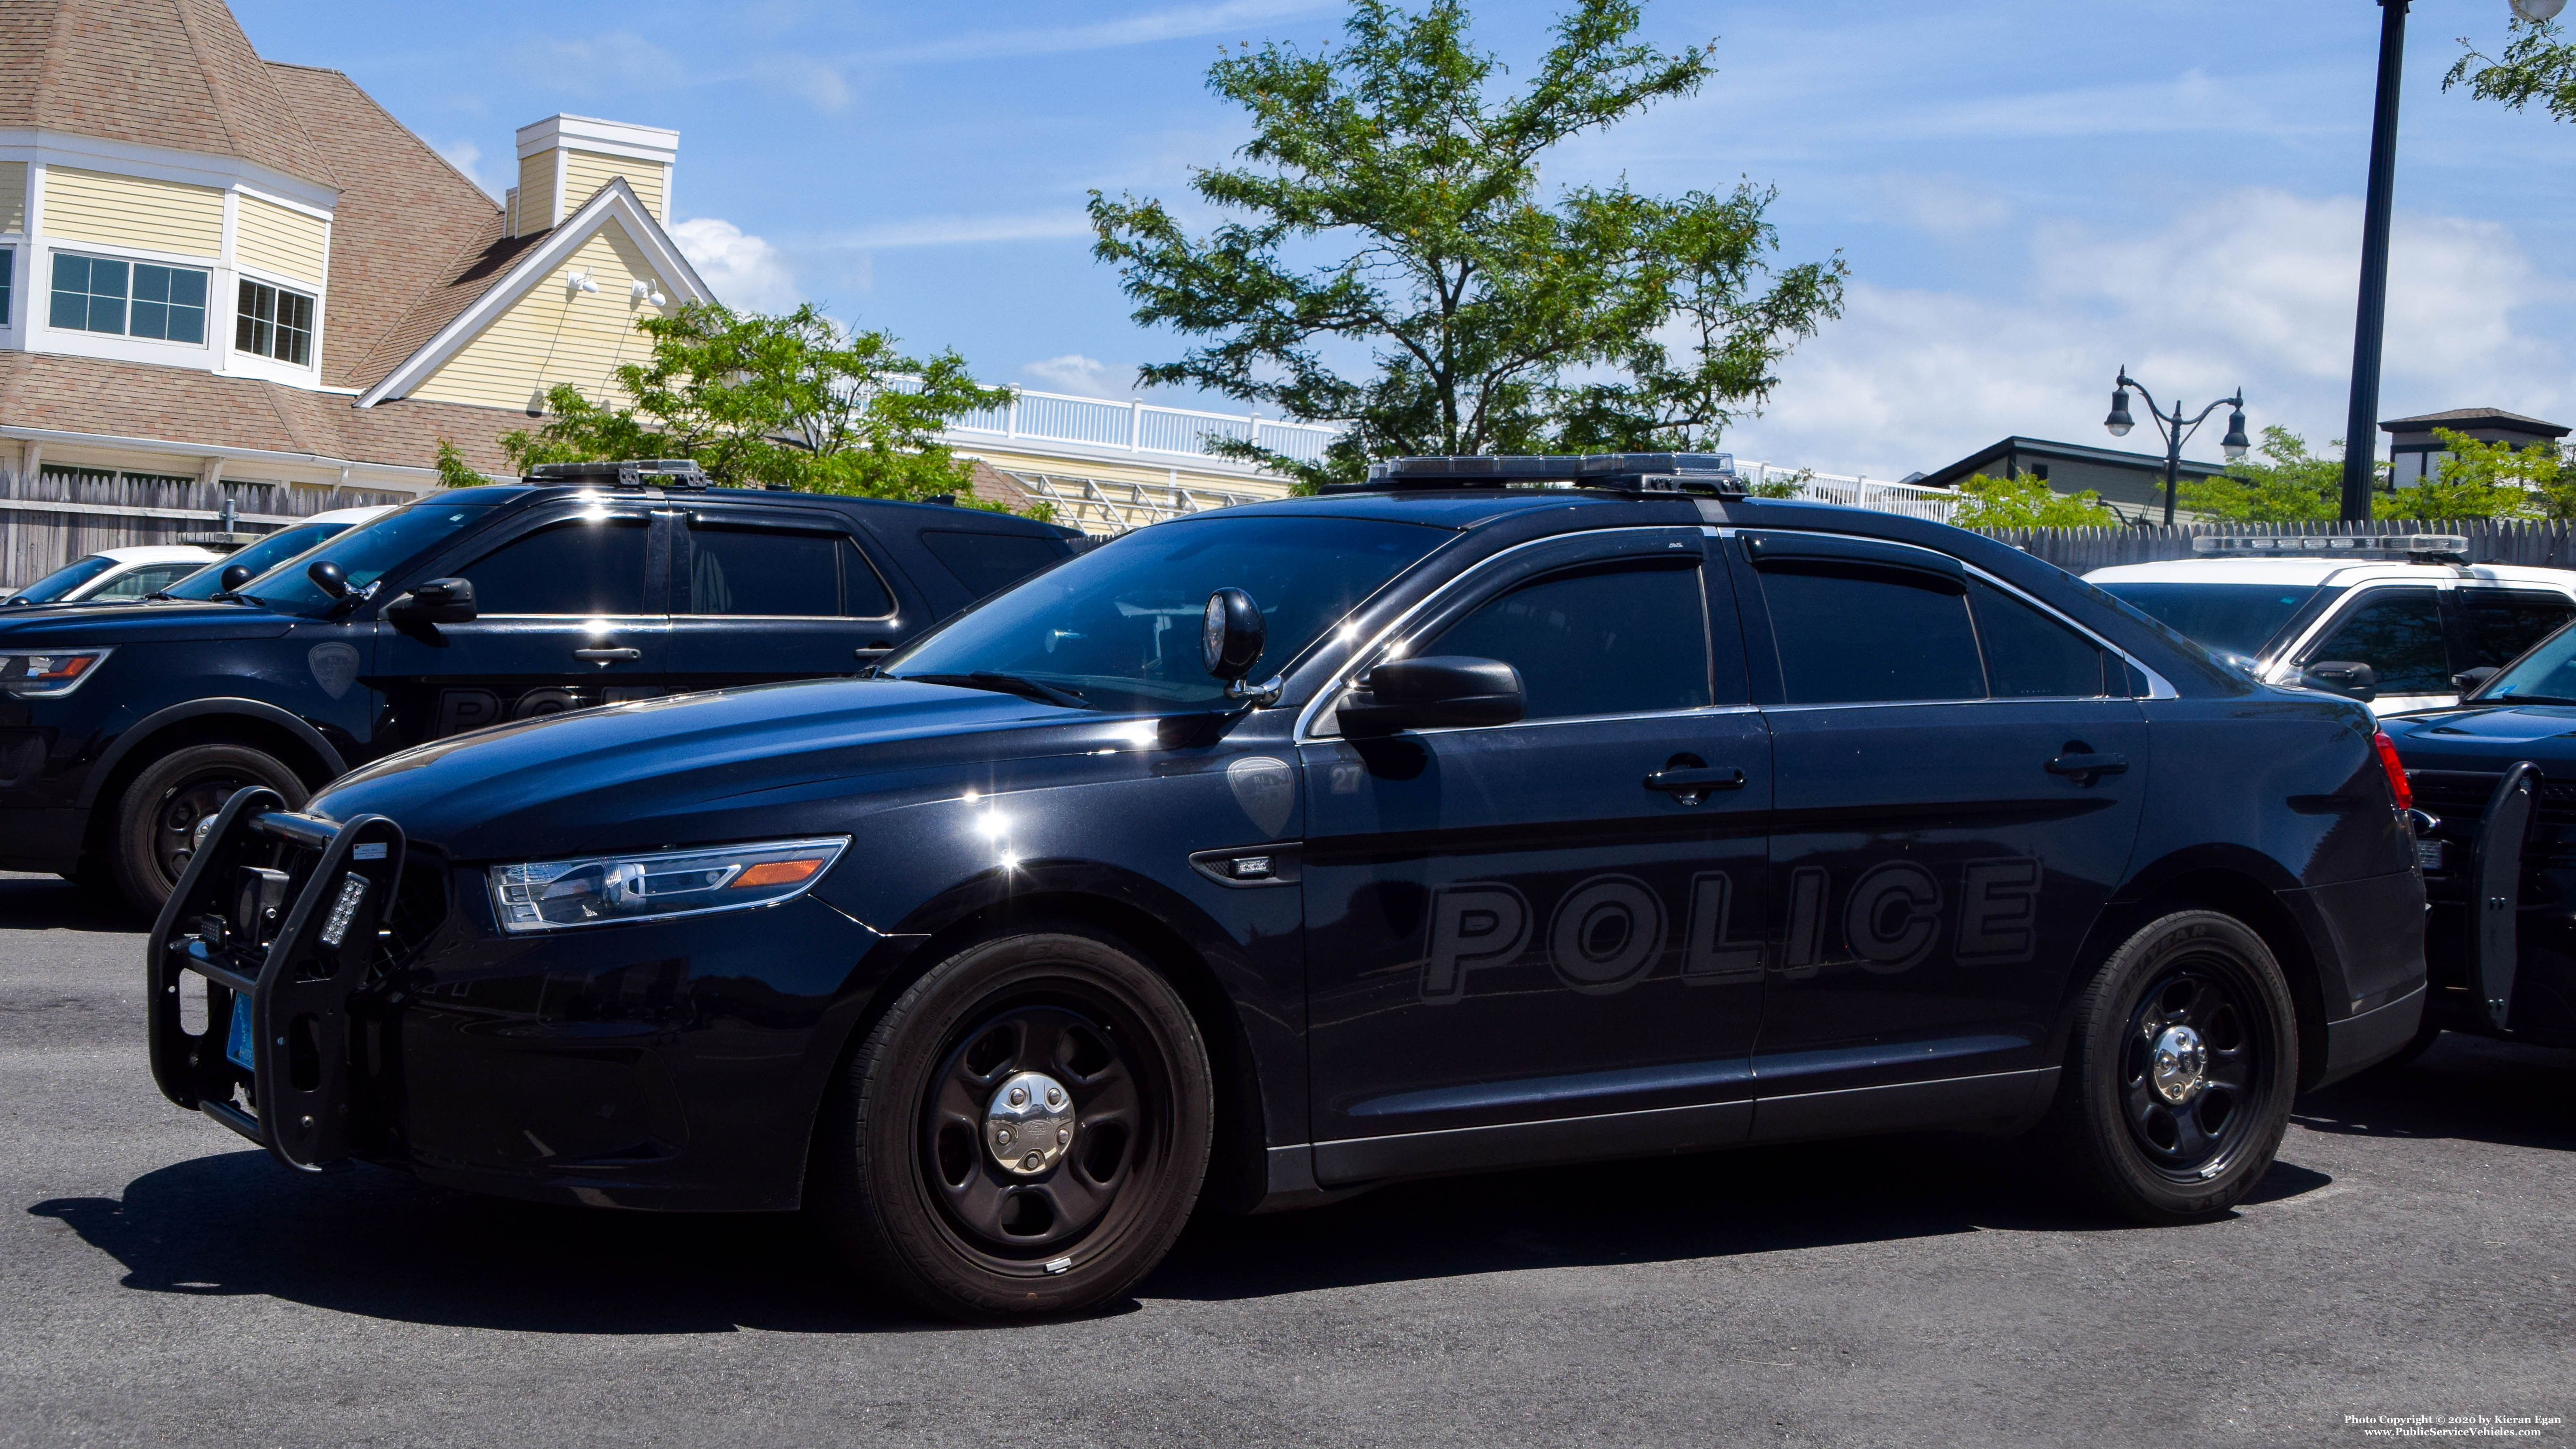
(2544, 543)
(62, 513)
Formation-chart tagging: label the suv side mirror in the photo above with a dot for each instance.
(2344, 677)
(1434, 691)
(439, 601)
(2470, 681)
(233, 577)
(1231, 634)
(329, 577)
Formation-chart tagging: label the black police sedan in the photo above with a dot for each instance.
(123, 729)
(2496, 777)
(1270, 853)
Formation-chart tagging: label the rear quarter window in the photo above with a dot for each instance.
(987, 563)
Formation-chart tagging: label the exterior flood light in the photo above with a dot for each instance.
(2234, 444)
(2119, 421)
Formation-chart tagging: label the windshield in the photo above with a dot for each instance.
(259, 558)
(2233, 618)
(62, 581)
(2547, 673)
(1119, 626)
(366, 553)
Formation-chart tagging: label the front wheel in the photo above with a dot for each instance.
(1024, 1131)
(155, 819)
(2179, 1076)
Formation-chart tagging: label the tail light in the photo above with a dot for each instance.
(2395, 768)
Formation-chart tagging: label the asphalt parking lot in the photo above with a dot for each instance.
(160, 1282)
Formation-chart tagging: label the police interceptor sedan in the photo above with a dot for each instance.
(1495, 812)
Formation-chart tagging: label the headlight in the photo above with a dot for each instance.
(49, 675)
(550, 895)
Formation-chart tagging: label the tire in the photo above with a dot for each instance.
(154, 819)
(2135, 1148)
(914, 1183)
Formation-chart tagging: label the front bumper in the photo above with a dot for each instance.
(668, 1065)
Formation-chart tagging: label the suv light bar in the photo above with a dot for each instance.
(1639, 473)
(628, 473)
(2412, 545)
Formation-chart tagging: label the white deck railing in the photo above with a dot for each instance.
(1138, 428)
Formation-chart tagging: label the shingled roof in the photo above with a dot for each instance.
(175, 73)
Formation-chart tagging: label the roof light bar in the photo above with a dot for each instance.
(626, 473)
(2413, 545)
(1673, 473)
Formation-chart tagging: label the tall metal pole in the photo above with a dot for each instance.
(2361, 422)
(2173, 461)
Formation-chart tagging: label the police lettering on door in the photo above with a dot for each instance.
(1609, 932)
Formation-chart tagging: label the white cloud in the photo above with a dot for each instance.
(617, 62)
(1178, 23)
(1088, 376)
(745, 271)
(1946, 206)
(817, 83)
(2257, 291)
(939, 231)
(467, 157)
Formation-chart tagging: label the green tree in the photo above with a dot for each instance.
(454, 471)
(2489, 480)
(2288, 484)
(796, 400)
(2024, 501)
(2539, 64)
(1393, 263)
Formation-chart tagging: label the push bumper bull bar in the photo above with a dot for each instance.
(277, 914)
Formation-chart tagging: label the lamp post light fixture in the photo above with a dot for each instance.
(2176, 429)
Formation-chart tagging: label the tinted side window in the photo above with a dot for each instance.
(764, 571)
(989, 562)
(582, 566)
(2028, 654)
(1623, 639)
(1853, 633)
(147, 580)
(2398, 633)
(2501, 624)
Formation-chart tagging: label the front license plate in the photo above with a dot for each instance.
(237, 1042)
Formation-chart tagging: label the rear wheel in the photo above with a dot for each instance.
(2179, 1076)
(155, 820)
(1024, 1131)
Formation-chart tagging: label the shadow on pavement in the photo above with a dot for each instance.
(51, 903)
(377, 1243)
(2467, 1087)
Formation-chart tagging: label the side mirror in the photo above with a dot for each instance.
(2470, 681)
(2344, 677)
(1435, 691)
(1231, 634)
(329, 577)
(439, 601)
(233, 577)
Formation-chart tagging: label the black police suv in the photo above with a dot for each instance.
(122, 729)
(2496, 780)
(1425, 826)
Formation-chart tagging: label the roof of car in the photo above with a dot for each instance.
(1439, 507)
(996, 522)
(149, 553)
(2312, 571)
(351, 516)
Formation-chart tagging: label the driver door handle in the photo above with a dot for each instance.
(605, 657)
(1694, 780)
(2089, 765)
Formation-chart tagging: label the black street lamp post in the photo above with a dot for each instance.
(2370, 318)
(2176, 429)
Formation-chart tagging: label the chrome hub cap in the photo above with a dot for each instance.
(2178, 1064)
(1029, 1123)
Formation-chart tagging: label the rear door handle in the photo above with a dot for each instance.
(1694, 780)
(2089, 765)
(606, 657)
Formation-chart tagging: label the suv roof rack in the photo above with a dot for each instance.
(2419, 547)
(629, 473)
(1632, 473)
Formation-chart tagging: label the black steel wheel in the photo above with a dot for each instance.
(2180, 1069)
(155, 819)
(1024, 1131)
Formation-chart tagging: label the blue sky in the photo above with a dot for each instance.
(2029, 193)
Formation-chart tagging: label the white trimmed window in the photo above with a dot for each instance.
(128, 299)
(8, 285)
(274, 322)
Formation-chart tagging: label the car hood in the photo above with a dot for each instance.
(144, 622)
(2486, 737)
(730, 765)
